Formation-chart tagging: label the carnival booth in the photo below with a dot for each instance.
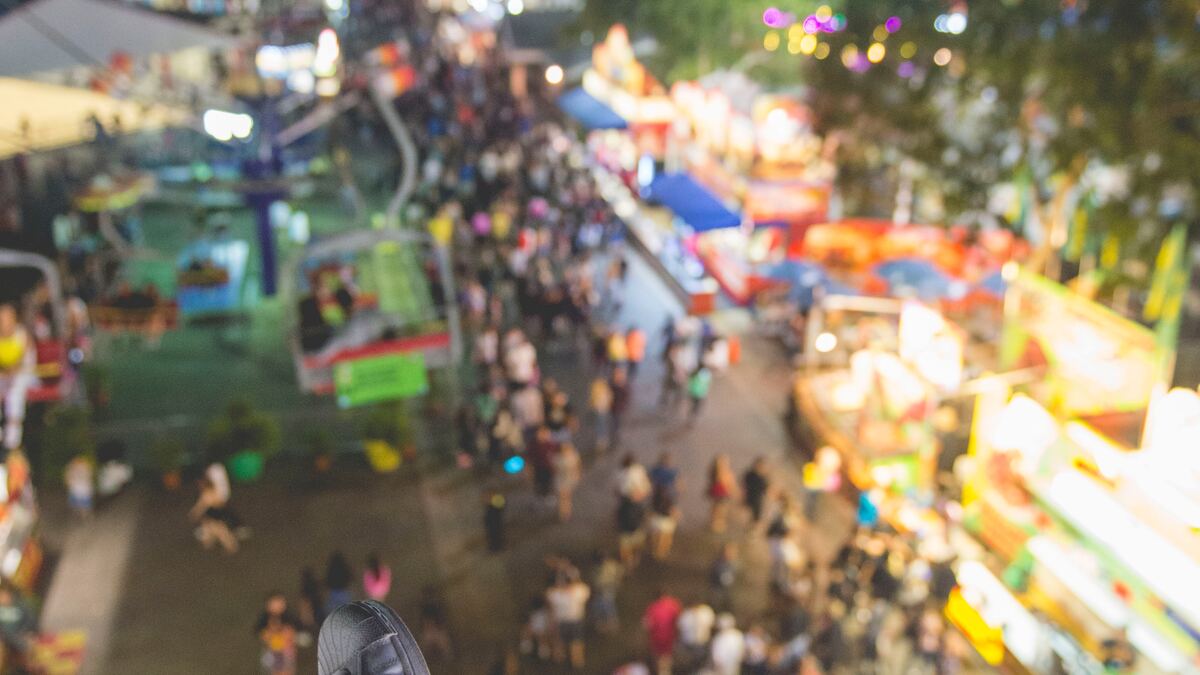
(757, 151)
(876, 370)
(1084, 482)
(374, 311)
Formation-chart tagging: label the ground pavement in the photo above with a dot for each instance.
(177, 609)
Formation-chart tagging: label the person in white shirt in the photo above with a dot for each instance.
(633, 483)
(695, 630)
(567, 599)
(219, 477)
(728, 647)
(520, 362)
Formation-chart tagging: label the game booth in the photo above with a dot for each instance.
(1084, 484)
(373, 312)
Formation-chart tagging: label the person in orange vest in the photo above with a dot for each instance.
(635, 348)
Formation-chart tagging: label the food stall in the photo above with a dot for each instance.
(876, 370)
(757, 151)
(1084, 482)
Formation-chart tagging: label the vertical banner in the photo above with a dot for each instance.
(1164, 304)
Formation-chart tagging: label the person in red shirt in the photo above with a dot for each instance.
(660, 623)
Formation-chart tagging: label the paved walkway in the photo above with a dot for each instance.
(152, 601)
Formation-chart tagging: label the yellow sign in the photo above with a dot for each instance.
(988, 641)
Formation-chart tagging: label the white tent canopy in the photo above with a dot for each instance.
(39, 116)
(47, 35)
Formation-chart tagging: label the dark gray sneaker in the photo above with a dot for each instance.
(367, 638)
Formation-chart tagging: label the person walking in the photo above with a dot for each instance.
(493, 521)
(566, 478)
(276, 631)
(337, 581)
(601, 402)
(635, 349)
(606, 581)
(699, 384)
(755, 486)
(631, 516)
(660, 621)
(728, 647)
(567, 600)
(377, 579)
(664, 520)
(695, 631)
(79, 477)
(213, 519)
(721, 488)
(310, 609)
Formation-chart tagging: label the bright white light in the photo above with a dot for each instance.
(479, 5)
(554, 74)
(335, 5)
(826, 342)
(515, 7)
(328, 51)
(224, 126)
(301, 81)
(328, 86)
(12, 562)
(956, 23)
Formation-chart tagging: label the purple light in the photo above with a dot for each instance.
(773, 17)
(906, 69)
(838, 22)
(893, 24)
(862, 64)
(811, 25)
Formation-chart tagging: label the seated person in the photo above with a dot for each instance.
(314, 332)
(18, 359)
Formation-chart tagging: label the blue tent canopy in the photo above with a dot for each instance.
(805, 278)
(590, 112)
(692, 202)
(993, 284)
(920, 277)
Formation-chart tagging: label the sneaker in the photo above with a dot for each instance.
(367, 638)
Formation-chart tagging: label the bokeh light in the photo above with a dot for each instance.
(881, 33)
(906, 69)
(849, 55)
(771, 41)
(794, 46)
(893, 24)
(876, 52)
(773, 17)
(824, 12)
(808, 44)
(908, 50)
(942, 56)
(822, 51)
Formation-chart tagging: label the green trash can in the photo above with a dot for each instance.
(246, 467)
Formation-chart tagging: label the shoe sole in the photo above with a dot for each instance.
(368, 638)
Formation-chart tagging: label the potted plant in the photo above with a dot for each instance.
(167, 453)
(387, 437)
(244, 438)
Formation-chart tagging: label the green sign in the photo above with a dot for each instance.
(380, 378)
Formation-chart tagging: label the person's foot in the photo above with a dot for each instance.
(367, 638)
